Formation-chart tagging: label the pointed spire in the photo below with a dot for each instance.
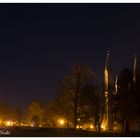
(116, 85)
(106, 64)
(106, 90)
(106, 78)
(134, 69)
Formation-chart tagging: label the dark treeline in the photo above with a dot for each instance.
(80, 100)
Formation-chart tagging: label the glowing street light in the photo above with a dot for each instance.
(103, 127)
(81, 126)
(77, 126)
(91, 126)
(9, 123)
(78, 119)
(32, 124)
(61, 122)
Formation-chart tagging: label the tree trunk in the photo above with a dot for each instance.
(126, 127)
(75, 111)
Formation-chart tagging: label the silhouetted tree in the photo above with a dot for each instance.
(126, 98)
(58, 108)
(91, 103)
(36, 112)
(73, 84)
(51, 113)
(9, 112)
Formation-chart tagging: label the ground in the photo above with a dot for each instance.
(57, 132)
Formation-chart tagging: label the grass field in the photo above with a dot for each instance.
(57, 132)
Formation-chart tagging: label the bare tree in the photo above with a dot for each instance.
(91, 99)
(73, 83)
(36, 112)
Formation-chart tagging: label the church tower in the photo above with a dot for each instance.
(134, 69)
(107, 84)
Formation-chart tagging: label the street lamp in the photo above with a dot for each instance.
(91, 126)
(9, 123)
(103, 127)
(61, 122)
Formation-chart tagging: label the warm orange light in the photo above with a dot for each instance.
(91, 126)
(9, 123)
(32, 124)
(77, 126)
(103, 127)
(61, 121)
(106, 78)
(81, 126)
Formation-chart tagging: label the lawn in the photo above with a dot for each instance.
(58, 132)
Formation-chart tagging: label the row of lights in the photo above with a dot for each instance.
(61, 122)
(7, 123)
(80, 126)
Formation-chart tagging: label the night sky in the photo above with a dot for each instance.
(39, 43)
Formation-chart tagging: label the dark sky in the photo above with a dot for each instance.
(39, 43)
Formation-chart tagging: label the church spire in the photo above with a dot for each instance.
(116, 85)
(134, 69)
(107, 59)
(106, 89)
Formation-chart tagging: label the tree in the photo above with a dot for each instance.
(58, 108)
(73, 84)
(36, 112)
(126, 98)
(51, 113)
(9, 112)
(91, 103)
